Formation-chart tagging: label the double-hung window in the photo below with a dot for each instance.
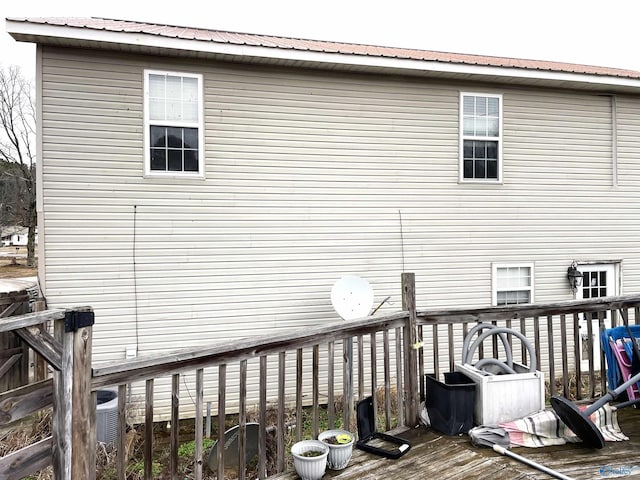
(512, 284)
(481, 137)
(173, 124)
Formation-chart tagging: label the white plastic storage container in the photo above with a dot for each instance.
(503, 398)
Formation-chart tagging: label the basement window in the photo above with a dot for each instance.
(173, 124)
(480, 137)
(512, 284)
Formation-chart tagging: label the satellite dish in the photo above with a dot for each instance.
(231, 447)
(352, 297)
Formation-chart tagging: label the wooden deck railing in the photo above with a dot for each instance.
(301, 372)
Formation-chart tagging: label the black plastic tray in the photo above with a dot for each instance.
(366, 434)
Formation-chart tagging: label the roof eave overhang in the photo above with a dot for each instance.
(144, 43)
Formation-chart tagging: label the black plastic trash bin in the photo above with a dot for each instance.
(450, 405)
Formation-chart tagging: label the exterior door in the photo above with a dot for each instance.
(598, 280)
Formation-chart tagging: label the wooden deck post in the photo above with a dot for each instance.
(73, 411)
(411, 383)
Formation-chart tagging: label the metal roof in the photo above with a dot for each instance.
(134, 36)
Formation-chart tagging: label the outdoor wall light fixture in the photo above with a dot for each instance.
(574, 276)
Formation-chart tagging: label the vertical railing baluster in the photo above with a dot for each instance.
(603, 374)
(436, 351)
(451, 348)
(509, 324)
(361, 362)
(148, 431)
(331, 405)
(399, 375)
(199, 424)
(421, 361)
(536, 341)
(315, 389)
(552, 363)
(299, 384)
(523, 348)
(387, 380)
(280, 443)
(565, 361)
(590, 349)
(175, 427)
(242, 422)
(262, 432)
(222, 402)
(577, 355)
(347, 381)
(121, 458)
(374, 374)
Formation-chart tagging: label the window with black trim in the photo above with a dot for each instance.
(481, 137)
(173, 124)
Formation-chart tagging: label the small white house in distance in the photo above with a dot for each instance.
(188, 176)
(15, 236)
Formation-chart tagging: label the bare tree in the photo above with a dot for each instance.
(17, 154)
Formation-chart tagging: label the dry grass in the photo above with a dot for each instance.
(37, 428)
(17, 269)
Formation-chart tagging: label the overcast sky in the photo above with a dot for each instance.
(592, 32)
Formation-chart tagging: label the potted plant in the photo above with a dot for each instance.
(340, 444)
(310, 459)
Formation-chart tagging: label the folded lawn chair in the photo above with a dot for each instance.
(621, 353)
(614, 371)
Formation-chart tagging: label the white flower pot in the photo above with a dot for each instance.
(340, 453)
(310, 468)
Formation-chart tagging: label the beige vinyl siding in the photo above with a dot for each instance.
(307, 177)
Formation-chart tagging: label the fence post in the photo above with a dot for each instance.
(411, 384)
(73, 411)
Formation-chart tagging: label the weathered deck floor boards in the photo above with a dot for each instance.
(443, 457)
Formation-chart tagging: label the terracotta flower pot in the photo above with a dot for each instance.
(340, 443)
(310, 459)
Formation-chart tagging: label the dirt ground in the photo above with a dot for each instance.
(17, 266)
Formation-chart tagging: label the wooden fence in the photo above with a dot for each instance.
(377, 355)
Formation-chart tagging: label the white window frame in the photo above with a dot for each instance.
(494, 280)
(199, 124)
(464, 137)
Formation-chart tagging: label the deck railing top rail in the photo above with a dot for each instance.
(119, 372)
(143, 368)
(531, 310)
